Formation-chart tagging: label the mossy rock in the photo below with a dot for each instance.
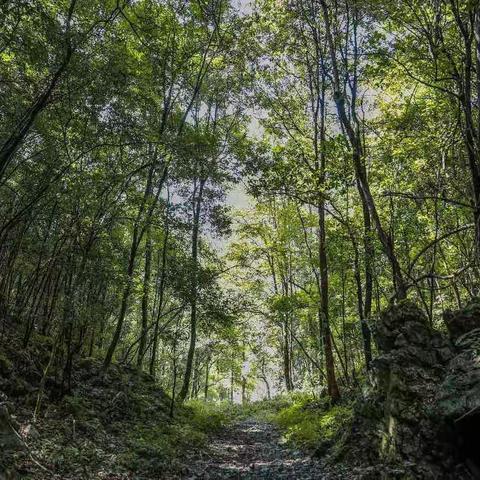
(463, 321)
(90, 364)
(405, 319)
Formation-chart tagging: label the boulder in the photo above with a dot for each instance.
(458, 395)
(463, 321)
(459, 392)
(421, 411)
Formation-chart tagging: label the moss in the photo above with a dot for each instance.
(148, 449)
(387, 443)
(91, 364)
(153, 449)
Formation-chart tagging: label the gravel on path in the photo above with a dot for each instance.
(252, 449)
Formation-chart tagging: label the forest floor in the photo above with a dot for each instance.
(252, 449)
(117, 425)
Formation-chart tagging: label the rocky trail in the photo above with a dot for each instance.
(252, 449)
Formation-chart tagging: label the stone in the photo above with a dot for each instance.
(411, 366)
(464, 320)
(30, 432)
(459, 393)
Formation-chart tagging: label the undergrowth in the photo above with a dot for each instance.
(152, 449)
(110, 423)
(310, 423)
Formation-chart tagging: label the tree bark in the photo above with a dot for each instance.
(8, 149)
(197, 208)
(145, 298)
(163, 276)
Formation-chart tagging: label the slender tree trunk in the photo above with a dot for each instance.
(8, 149)
(163, 275)
(362, 307)
(369, 253)
(207, 376)
(263, 376)
(136, 238)
(43, 381)
(316, 82)
(355, 142)
(145, 298)
(323, 311)
(67, 327)
(472, 132)
(125, 298)
(286, 356)
(197, 208)
(244, 390)
(174, 372)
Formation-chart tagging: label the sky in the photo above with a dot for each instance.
(244, 6)
(238, 198)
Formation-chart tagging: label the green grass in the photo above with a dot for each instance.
(208, 417)
(309, 423)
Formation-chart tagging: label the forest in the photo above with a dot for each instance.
(239, 239)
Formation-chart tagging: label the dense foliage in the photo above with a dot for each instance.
(350, 129)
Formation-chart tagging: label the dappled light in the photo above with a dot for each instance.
(239, 239)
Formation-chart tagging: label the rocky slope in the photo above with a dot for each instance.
(106, 427)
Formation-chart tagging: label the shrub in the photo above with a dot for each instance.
(209, 417)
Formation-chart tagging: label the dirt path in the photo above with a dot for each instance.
(253, 450)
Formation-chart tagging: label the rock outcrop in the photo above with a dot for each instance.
(409, 369)
(458, 396)
(420, 416)
(429, 384)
